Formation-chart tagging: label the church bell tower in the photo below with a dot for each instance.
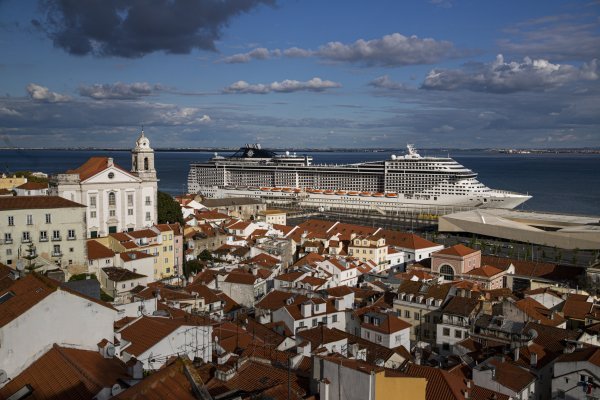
(142, 158)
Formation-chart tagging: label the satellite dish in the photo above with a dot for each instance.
(20, 266)
(3, 376)
(116, 389)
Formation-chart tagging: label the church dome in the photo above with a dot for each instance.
(142, 142)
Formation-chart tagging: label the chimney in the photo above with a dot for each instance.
(306, 309)
(339, 304)
(109, 162)
(516, 354)
(534, 359)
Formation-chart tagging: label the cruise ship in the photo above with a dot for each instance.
(400, 182)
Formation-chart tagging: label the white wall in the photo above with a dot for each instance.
(62, 318)
(194, 341)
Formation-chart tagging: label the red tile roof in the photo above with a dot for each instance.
(96, 250)
(591, 355)
(65, 373)
(175, 381)
(134, 255)
(441, 385)
(539, 312)
(486, 271)
(263, 260)
(276, 299)
(121, 274)
(510, 375)
(388, 322)
(147, 332)
(458, 250)
(36, 202)
(576, 309)
(240, 278)
(406, 240)
(93, 166)
(33, 186)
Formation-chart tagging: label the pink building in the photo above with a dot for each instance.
(455, 260)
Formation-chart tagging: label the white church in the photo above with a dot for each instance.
(117, 200)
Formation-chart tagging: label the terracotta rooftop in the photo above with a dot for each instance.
(511, 376)
(65, 373)
(339, 291)
(441, 385)
(539, 312)
(33, 186)
(462, 306)
(26, 292)
(576, 309)
(290, 276)
(93, 166)
(175, 381)
(591, 355)
(142, 233)
(36, 202)
(241, 278)
(486, 271)
(382, 322)
(458, 250)
(147, 332)
(96, 250)
(309, 259)
(121, 274)
(134, 255)
(263, 260)
(406, 240)
(276, 299)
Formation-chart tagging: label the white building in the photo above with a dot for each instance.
(55, 226)
(576, 375)
(32, 189)
(117, 200)
(154, 340)
(385, 329)
(36, 312)
(309, 314)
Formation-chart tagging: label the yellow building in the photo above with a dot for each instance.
(11, 182)
(371, 247)
(342, 378)
(159, 241)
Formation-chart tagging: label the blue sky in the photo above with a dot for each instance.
(440, 73)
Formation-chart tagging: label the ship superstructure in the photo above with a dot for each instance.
(399, 181)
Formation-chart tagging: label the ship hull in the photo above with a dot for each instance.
(493, 199)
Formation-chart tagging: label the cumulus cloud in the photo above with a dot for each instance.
(286, 86)
(119, 91)
(500, 76)
(385, 82)
(259, 53)
(44, 95)
(388, 51)
(131, 28)
(297, 52)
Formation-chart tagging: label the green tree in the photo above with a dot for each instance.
(205, 255)
(193, 266)
(168, 209)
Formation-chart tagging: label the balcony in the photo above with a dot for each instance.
(8, 241)
(71, 237)
(57, 254)
(25, 240)
(56, 238)
(44, 239)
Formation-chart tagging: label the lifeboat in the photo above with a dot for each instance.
(365, 194)
(328, 192)
(341, 192)
(352, 193)
(378, 195)
(317, 191)
(287, 190)
(276, 189)
(265, 189)
(297, 190)
(393, 195)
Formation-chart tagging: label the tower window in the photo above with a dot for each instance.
(146, 163)
(112, 200)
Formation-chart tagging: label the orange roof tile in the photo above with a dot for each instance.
(36, 202)
(93, 166)
(147, 332)
(96, 250)
(67, 373)
(33, 186)
(485, 270)
(459, 250)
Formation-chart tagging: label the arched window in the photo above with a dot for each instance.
(112, 199)
(447, 272)
(146, 163)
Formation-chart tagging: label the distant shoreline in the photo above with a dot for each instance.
(333, 150)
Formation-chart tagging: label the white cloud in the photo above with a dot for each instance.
(390, 50)
(385, 82)
(44, 95)
(500, 76)
(259, 53)
(297, 52)
(118, 91)
(286, 86)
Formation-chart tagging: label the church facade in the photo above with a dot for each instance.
(117, 199)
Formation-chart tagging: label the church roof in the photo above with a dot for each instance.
(93, 166)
